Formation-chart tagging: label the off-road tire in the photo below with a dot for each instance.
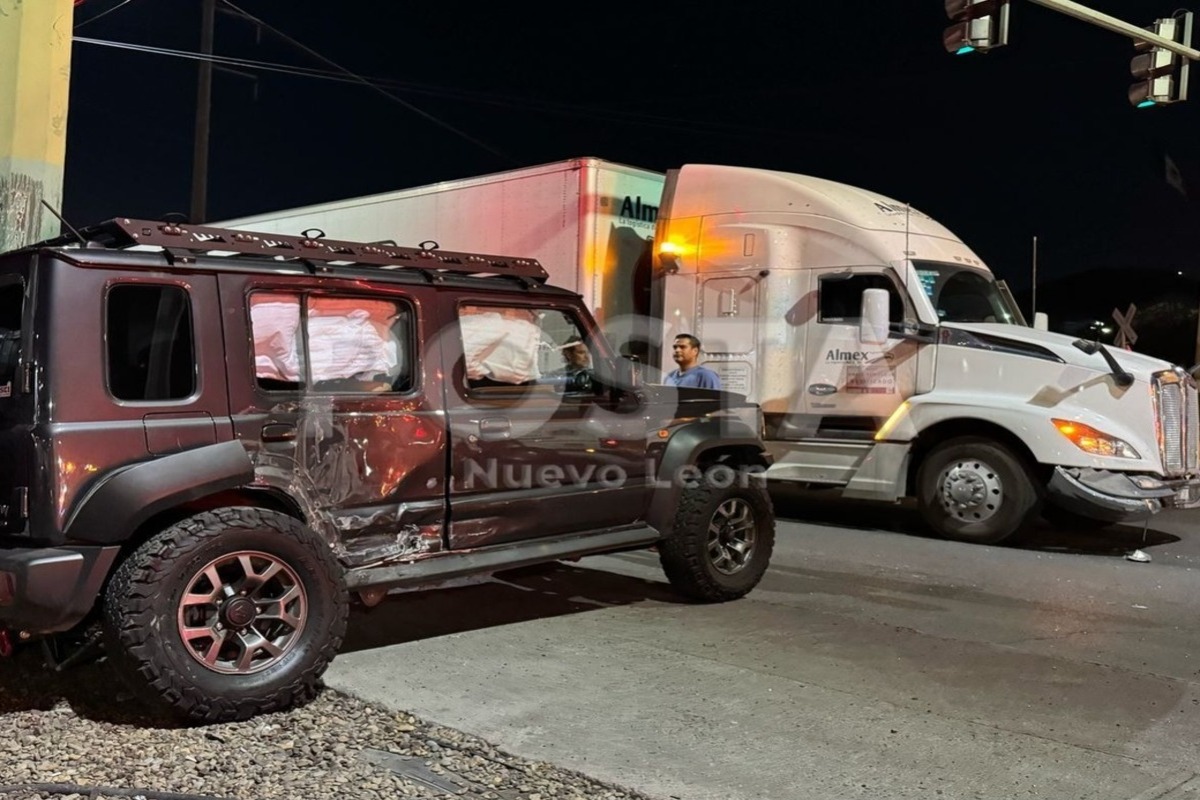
(998, 471)
(143, 614)
(687, 559)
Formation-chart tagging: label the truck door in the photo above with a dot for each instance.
(851, 388)
(728, 328)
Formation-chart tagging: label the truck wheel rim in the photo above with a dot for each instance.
(242, 613)
(971, 490)
(731, 535)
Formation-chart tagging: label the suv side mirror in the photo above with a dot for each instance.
(873, 316)
(1041, 322)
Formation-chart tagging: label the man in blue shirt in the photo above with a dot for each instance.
(686, 352)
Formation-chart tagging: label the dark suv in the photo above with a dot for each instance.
(211, 440)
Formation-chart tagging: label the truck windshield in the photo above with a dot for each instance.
(966, 294)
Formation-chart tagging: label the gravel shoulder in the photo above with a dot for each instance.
(77, 734)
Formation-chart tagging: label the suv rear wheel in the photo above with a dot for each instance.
(227, 614)
(723, 536)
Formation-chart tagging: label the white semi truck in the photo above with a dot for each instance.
(888, 360)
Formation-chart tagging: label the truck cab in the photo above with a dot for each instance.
(889, 361)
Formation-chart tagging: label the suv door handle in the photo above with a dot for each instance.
(278, 432)
(495, 428)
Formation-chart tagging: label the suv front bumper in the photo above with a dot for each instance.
(1117, 496)
(50, 590)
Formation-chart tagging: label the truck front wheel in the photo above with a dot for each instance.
(976, 490)
(723, 536)
(227, 614)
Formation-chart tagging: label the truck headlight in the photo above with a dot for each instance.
(1090, 440)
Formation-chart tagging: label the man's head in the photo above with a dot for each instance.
(686, 351)
(575, 353)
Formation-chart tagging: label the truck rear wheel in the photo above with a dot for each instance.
(976, 490)
(226, 615)
(723, 537)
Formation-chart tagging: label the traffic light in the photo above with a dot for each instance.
(979, 25)
(1162, 75)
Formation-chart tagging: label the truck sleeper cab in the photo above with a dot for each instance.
(890, 362)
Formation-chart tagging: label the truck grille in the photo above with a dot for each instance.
(1178, 423)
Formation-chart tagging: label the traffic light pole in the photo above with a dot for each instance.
(1073, 9)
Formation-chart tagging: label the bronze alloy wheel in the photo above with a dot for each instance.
(242, 612)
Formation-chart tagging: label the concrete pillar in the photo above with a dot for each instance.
(35, 73)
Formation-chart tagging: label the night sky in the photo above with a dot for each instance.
(1036, 138)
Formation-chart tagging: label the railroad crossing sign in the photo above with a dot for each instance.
(1125, 334)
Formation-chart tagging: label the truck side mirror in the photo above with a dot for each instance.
(1041, 322)
(873, 318)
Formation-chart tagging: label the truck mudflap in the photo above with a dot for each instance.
(1114, 496)
(51, 589)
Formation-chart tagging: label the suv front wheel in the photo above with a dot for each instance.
(723, 536)
(227, 614)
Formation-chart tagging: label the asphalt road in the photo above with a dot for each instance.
(872, 661)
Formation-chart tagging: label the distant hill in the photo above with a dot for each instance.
(1165, 320)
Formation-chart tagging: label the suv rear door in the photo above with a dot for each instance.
(332, 396)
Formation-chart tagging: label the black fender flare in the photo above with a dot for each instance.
(119, 503)
(685, 448)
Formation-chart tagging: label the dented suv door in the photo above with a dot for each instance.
(331, 395)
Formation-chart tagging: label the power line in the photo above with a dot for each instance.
(103, 14)
(659, 121)
(366, 82)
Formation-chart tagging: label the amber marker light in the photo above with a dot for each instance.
(1097, 443)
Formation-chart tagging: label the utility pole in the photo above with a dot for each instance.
(199, 212)
(35, 75)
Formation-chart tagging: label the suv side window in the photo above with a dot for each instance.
(331, 343)
(840, 297)
(151, 353)
(507, 346)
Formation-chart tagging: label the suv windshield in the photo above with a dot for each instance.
(966, 294)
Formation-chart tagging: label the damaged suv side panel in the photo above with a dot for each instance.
(363, 460)
(213, 439)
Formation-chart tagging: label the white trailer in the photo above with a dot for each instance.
(589, 222)
(887, 358)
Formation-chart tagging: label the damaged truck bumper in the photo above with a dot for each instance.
(1118, 496)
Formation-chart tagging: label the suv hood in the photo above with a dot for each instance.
(1061, 345)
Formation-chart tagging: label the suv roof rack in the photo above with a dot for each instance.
(183, 243)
